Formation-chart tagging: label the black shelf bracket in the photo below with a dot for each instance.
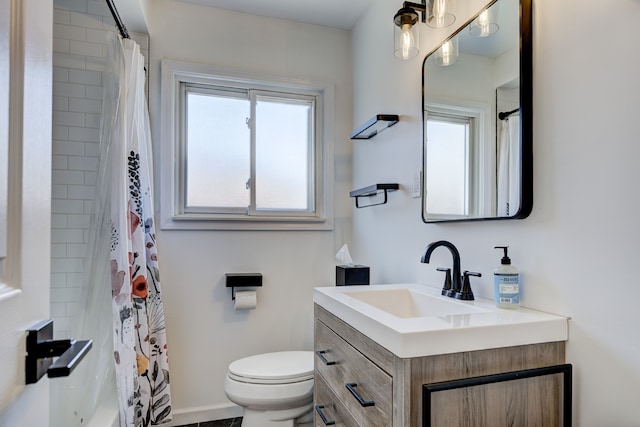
(41, 349)
(375, 125)
(371, 191)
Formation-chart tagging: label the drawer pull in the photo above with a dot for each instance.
(352, 388)
(320, 354)
(323, 417)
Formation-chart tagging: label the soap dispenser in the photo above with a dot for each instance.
(506, 282)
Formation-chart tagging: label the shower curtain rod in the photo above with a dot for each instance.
(116, 17)
(506, 114)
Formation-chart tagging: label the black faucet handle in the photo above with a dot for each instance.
(466, 293)
(446, 288)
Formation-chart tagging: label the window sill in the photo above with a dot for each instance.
(200, 222)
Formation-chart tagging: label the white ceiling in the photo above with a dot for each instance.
(332, 13)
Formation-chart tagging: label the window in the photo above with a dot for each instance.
(248, 152)
(459, 160)
(448, 164)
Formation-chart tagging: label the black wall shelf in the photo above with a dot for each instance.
(375, 125)
(371, 191)
(242, 280)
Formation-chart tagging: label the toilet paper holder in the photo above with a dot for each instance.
(242, 280)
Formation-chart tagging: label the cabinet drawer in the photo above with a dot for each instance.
(329, 406)
(364, 389)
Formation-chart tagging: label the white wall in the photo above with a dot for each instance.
(205, 333)
(578, 249)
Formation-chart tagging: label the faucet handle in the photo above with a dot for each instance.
(466, 293)
(446, 288)
(467, 273)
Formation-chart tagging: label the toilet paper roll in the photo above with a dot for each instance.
(245, 300)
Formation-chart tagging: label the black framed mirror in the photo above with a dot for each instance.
(477, 118)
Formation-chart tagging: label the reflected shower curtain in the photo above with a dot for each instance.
(509, 167)
(139, 335)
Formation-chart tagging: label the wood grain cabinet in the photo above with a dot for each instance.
(358, 383)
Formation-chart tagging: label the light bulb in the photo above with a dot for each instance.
(407, 41)
(440, 13)
(439, 10)
(485, 24)
(447, 54)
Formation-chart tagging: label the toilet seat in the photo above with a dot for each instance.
(285, 367)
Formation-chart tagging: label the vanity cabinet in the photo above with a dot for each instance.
(386, 390)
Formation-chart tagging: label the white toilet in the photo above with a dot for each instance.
(275, 389)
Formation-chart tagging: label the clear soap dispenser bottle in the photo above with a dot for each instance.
(506, 282)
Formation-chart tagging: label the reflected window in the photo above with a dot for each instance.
(448, 164)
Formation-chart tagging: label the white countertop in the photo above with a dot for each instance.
(476, 325)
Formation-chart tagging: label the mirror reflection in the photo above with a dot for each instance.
(477, 132)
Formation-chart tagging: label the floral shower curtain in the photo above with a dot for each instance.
(139, 335)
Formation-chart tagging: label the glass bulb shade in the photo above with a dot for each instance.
(485, 24)
(406, 41)
(405, 34)
(447, 54)
(440, 13)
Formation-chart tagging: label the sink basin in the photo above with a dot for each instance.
(408, 303)
(414, 320)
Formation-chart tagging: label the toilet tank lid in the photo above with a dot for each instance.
(271, 366)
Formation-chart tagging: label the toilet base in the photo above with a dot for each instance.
(295, 417)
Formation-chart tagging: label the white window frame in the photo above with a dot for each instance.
(172, 190)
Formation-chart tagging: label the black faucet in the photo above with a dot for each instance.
(457, 277)
(460, 286)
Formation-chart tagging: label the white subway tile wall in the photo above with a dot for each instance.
(80, 30)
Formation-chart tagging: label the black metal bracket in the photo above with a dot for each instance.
(371, 191)
(242, 280)
(41, 349)
(374, 126)
(566, 371)
(421, 7)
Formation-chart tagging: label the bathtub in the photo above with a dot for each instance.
(106, 415)
(67, 411)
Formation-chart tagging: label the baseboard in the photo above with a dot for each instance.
(201, 414)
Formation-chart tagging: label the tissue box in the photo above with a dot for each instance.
(352, 275)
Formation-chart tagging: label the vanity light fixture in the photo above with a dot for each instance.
(447, 54)
(485, 24)
(435, 13)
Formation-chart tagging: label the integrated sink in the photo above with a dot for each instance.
(414, 320)
(408, 303)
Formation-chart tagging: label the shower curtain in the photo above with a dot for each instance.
(509, 166)
(139, 335)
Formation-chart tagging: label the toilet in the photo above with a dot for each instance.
(275, 389)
